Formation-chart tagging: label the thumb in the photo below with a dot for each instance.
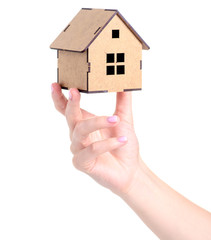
(73, 112)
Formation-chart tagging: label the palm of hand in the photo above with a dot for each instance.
(115, 164)
(116, 169)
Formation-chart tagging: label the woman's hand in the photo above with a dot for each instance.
(104, 147)
(107, 149)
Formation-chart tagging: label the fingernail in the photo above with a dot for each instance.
(122, 139)
(70, 95)
(52, 88)
(112, 119)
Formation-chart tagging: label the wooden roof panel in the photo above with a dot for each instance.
(81, 31)
(85, 27)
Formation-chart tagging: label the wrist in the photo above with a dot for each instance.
(141, 178)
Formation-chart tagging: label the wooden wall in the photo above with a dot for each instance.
(103, 44)
(72, 67)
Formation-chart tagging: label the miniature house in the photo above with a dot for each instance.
(99, 51)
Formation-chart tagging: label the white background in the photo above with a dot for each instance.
(42, 196)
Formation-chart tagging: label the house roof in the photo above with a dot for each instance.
(85, 27)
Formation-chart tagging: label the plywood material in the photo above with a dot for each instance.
(83, 47)
(85, 28)
(128, 44)
(73, 68)
(82, 29)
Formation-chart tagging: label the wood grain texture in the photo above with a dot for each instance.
(85, 27)
(103, 44)
(73, 69)
(82, 29)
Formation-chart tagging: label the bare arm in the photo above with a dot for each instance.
(166, 212)
(106, 148)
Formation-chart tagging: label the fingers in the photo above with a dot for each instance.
(84, 128)
(58, 97)
(85, 159)
(87, 126)
(73, 112)
(60, 101)
(124, 106)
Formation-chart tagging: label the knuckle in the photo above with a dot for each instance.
(83, 165)
(75, 147)
(84, 142)
(93, 148)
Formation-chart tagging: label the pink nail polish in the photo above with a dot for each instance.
(70, 95)
(122, 139)
(112, 119)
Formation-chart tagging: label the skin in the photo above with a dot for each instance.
(106, 148)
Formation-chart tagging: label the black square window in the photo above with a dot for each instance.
(110, 70)
(120, 57)
(115, 33)
(110, 58)
(120, 69)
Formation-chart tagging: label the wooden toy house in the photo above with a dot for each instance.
(99, 51)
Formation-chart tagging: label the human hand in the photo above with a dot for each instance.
(106, 148)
